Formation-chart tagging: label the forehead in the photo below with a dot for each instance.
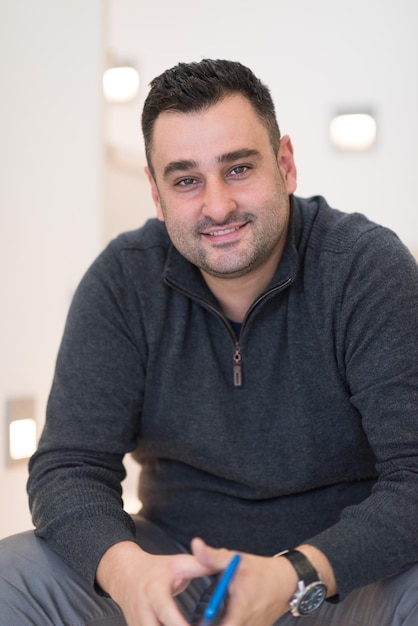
(231, 124)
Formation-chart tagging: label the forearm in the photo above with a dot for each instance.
(115, 564)
(77, 508)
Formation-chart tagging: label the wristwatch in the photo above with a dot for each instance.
(311, 591)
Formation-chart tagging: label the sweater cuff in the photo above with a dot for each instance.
(83, 542)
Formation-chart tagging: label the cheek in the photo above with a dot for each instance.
(178, 211)
(177, 223)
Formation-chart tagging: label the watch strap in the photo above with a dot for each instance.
(302, 565)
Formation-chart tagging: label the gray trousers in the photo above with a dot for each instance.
(38, 589)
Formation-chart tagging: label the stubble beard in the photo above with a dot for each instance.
(229, 263)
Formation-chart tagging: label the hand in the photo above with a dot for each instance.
(143, 584)
(261, 589)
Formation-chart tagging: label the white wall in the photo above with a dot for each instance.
(51, 61)
(317, 57)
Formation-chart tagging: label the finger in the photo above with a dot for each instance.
(168, 614)
(187, 566)
(161, 609)
(216, 559)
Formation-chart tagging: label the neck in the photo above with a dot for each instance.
(236, 295)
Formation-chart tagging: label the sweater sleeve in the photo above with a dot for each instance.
(92, 421)
(375, 325)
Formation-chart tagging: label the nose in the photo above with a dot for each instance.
(218, 200)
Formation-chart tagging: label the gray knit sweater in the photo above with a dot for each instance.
(317, 442)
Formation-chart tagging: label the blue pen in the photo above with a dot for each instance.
(220, 592)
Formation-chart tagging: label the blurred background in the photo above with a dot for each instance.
(72, 159)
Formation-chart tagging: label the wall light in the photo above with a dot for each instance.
(21, 430)
(120, 84)
(353, 131)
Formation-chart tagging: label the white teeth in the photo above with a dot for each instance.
(217, 233)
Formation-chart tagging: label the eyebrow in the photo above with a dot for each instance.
(179, 166)
(236, 155)
(229, 157)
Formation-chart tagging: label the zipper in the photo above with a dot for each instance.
(237, 366)
(237, 359)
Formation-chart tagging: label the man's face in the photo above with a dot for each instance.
(220, 188)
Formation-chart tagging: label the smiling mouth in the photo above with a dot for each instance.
(225, 231)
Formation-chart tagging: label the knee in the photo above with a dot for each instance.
(402, 592)
(15, 558)
(15, 548)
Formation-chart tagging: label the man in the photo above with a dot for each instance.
(258, 353)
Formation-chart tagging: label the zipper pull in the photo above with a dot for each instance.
(237, 367)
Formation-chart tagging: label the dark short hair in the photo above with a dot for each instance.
(191, 87)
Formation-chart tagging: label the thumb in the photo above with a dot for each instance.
(215, 559)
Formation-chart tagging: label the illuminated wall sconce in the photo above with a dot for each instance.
(353, 131)
(120, 84)
(21, 437)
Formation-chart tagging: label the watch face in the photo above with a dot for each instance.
(312, 598)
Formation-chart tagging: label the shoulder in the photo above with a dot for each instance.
(349, 257)
(328, 229)
(327, 233)
(147, 246)
(153, 234)
(135, 258)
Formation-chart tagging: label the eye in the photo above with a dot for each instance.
(239, 170)
(186, 182)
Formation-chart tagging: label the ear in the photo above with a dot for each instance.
(155, 193)
(286, 164)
